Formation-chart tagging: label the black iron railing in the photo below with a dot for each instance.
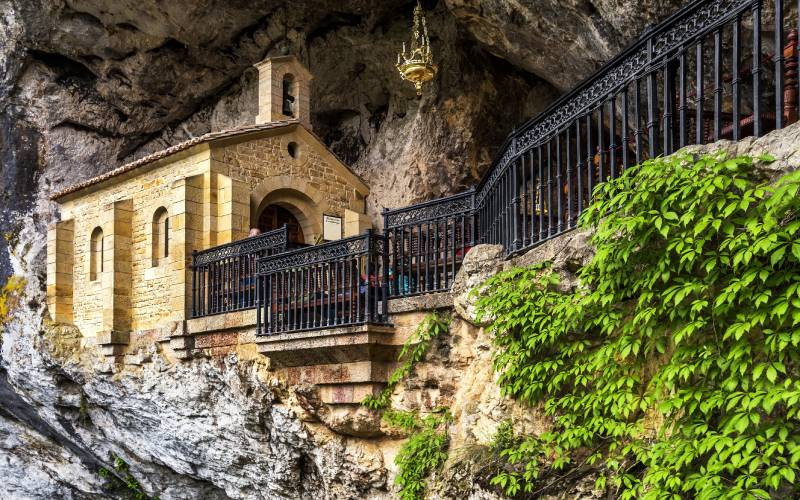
(716, 69)
(427, 243)
(334, 284)
(224, 277)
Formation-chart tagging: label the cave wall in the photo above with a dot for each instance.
(86, 85)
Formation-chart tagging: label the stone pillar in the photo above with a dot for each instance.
(116, 221)
(187, 233)
(208, 186)
(355, 223)
(233, 209)
(60, 261)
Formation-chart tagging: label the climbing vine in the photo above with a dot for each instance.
(425, 451)
(413, 351)
(426, 447)
(675, 369)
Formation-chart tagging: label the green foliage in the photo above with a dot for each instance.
(408, 421)
(423, 452)
(675, 368)
(426, 447)
(122, 480)
(412, 353)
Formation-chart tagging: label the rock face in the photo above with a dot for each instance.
(86, 85)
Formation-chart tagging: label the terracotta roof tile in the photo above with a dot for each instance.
(211, 136)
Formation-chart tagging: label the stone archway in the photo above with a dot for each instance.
(303, 201)
(275, 216)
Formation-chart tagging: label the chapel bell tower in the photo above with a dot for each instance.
(284, 90)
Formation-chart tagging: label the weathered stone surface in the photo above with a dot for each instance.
(88, 84)
(480, 263)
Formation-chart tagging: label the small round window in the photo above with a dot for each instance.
(293, 149)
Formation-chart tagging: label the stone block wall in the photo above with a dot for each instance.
(313, 182)
(60, 261)
(149, 303)
(208, 194)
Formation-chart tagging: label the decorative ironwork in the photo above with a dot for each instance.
(436, 209)
(416, 65)
(276, 240)
(334, 284)
(224, 277)
(315, 254)
(696, 20)
(665, 91)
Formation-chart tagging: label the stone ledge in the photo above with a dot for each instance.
(331, 346)
(424, 302)
(113, 337)
(225, 321)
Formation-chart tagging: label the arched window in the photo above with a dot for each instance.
(96, 254)
(160, 236)
(289, 96)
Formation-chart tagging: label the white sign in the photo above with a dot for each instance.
(331, 228)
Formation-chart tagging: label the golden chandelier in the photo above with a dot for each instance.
(417, 66)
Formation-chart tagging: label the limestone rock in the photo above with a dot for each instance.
(480, 263)
(86, 85)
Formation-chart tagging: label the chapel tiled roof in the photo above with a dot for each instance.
(211, 136)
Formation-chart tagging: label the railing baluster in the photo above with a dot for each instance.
(669, 102)
(756, 68)
(735, 71)
(779, 43)
(570, 222)
(637, 111)
(579, 167)
(717, 84)
(589, 158)
(698, 100)
(612, 135)
(558, 186)
(625, 137)
(601, 156)
(652, 112)
(682, 98)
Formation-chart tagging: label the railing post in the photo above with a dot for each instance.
(194, 283)
(258, 280)
(651, 101)
(385, 215)
(367, 301)
(473, 236)
(385, 286)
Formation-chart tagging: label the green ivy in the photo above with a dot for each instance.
(423, 452)
(123, 480)
(413, 351)
(674, 369)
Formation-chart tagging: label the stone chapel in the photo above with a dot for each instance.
(119, 258)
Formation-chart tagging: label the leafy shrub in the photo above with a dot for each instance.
(675, 368)
(424, 451)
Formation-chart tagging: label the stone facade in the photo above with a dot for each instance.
(212, 191)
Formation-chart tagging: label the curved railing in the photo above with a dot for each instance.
(708, 72)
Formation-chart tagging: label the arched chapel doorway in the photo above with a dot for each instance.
(275, 216)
